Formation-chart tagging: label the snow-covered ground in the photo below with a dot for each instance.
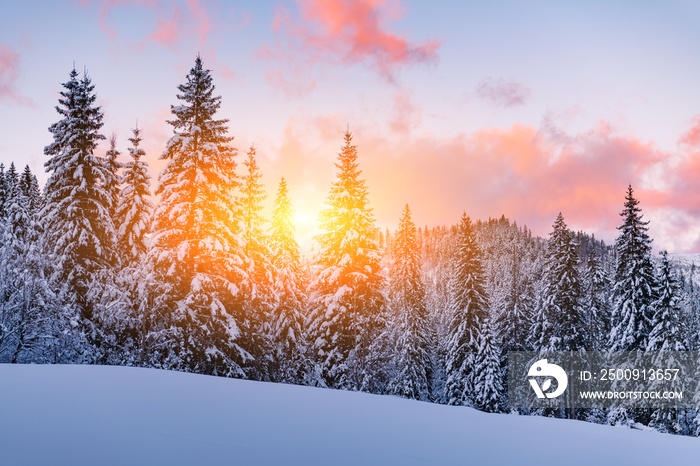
(96, 415)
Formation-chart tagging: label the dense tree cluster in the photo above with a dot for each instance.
(92, 271)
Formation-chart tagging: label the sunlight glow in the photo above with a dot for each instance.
(305, 225)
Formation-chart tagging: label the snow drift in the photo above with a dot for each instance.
(119, 415)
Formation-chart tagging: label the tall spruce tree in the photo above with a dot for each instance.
(348, 307)
(666, 325)
(597, 318)
(79, 232)
(667, 341)
(409, 315)
(197, 254)
(468, 311)
(256, 324)
(254, 235)
(129, 305)
(289, 293)
(113, 166)
(30, 188)
(11, 184)
(513, 318)
(134, 207)
(3, 192)
(634, 292)
(19, 217)
(634, 296)
(563, 326)
(487, 372)
(513, 312)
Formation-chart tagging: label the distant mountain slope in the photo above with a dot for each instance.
(95, 415)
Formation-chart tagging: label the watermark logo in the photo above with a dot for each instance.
(541, 369)
(595, 379)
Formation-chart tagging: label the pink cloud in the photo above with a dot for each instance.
(9, 75)
(173, 21)
(346, 32)
(503, 93)
(106, 6)
(685, 183)
(405, 116)
(174, 24)
(166, 32)
(692, 136)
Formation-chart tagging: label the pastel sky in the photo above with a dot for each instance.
(503, 107)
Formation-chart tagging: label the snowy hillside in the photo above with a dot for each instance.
(117, 415)
(686, 259)
(684, 264)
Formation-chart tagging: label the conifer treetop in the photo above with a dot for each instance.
(135, 150)
(469, 272)
(201, 172)
(81, 122)
(134, 208)
(347, 223)
(563, 328)
(406, 264)
(77, 208)
(253, 196)
(633, 236)
(282, 228)
(196, 115)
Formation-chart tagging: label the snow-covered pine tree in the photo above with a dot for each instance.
(468, 310)
(116, 297)
(26, 300)
(134, 207)
(114, 180)
(11, 182)
(597, 305)
(409, 316)
(254, 235)
(256, 325)
(289, 292)
(513, 318)
(665, 339)
(3, 191)
(196, 251)
(561, 317)
(634, 292)
(348, 303)
(666, 326)
(19, 220)
(30, 188)
(437, 245)
(487, 375)
(690, 307)
(511, 291)
(634, 295)
(564, 324)
(78, 228)
(125, 304)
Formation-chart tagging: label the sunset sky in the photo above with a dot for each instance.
(517, 108)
